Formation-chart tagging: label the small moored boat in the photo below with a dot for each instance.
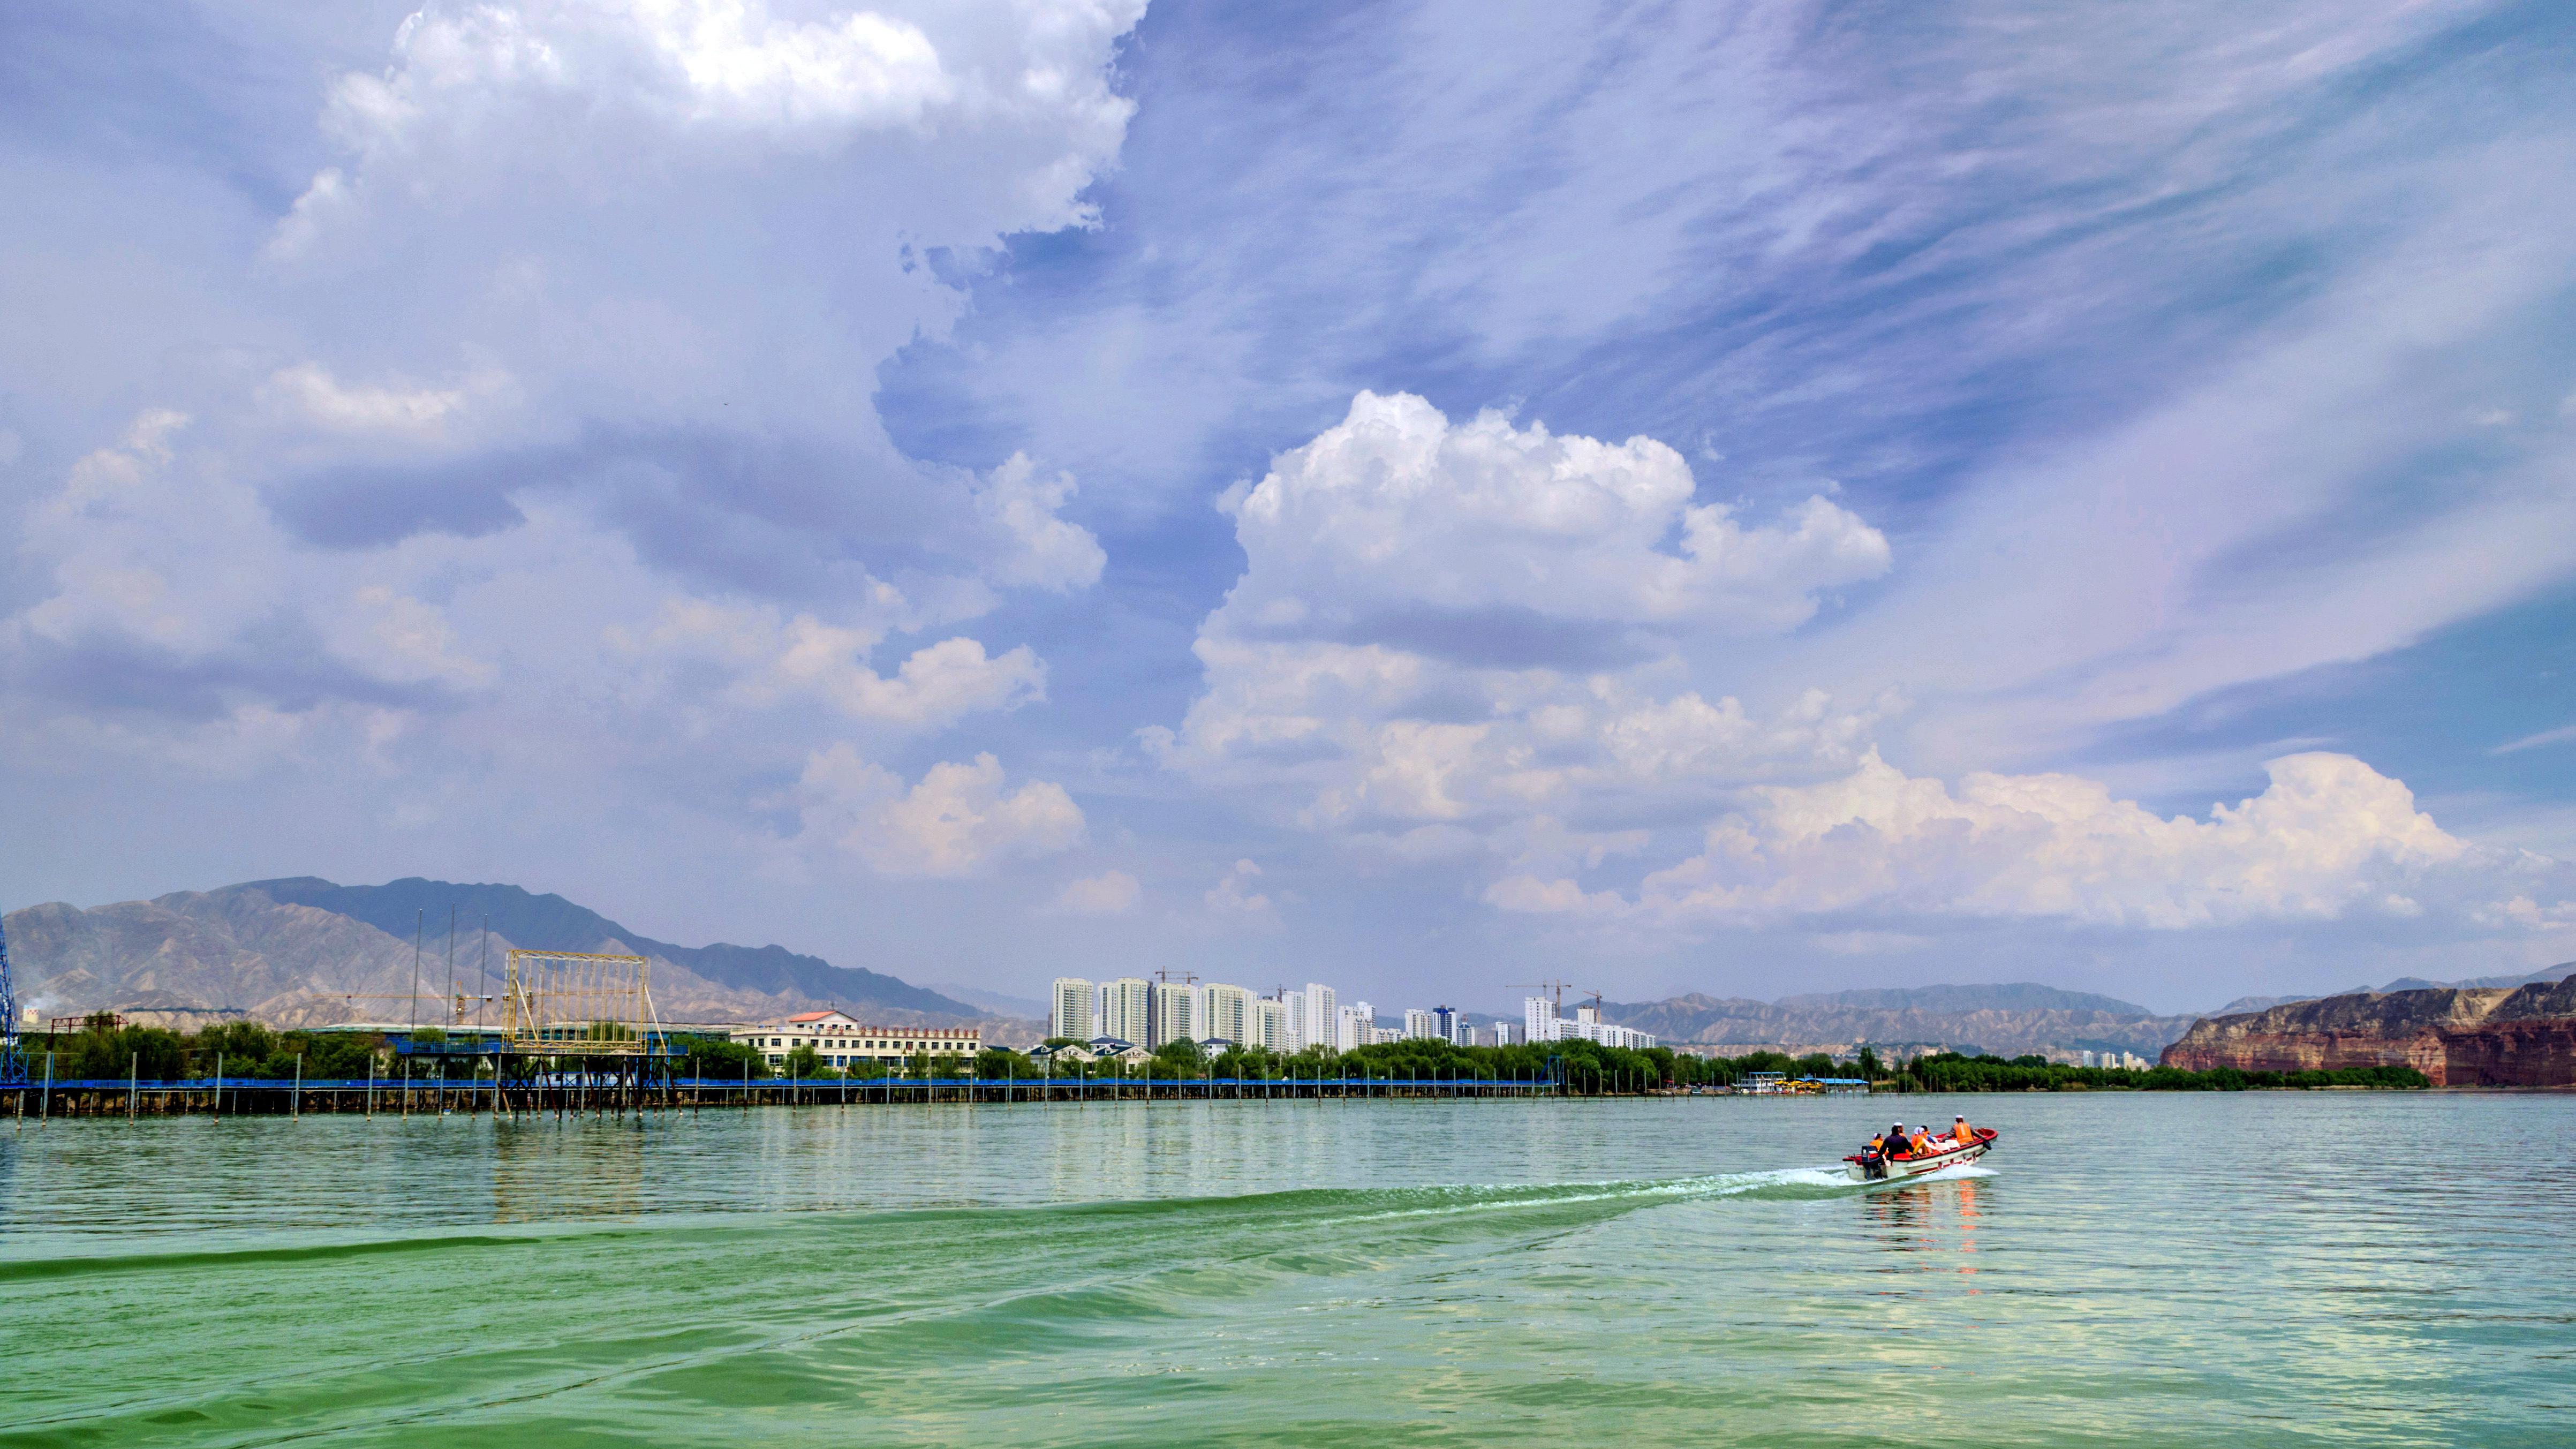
(1900, 1168)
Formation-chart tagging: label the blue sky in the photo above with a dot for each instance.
(1741, 499)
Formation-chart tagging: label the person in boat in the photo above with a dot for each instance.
(1961, 1132)
(1921, 1142)
(1884, 1149)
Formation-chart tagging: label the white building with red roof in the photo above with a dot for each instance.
(842, 1040)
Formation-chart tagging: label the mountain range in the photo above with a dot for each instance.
(2008, 1019)
(308, 952)
(2244, 1004)
(303, 951)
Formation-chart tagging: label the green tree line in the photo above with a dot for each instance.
(1950, 1072)
(104, 1050)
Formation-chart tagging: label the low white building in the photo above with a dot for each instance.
(1118, 1049)
(842, 1040)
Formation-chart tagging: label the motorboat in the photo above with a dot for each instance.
(1949, 1153)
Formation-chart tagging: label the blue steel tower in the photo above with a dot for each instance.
(13, 1067)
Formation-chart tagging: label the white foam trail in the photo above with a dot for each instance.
(1500, 1198)
(1812, 1177)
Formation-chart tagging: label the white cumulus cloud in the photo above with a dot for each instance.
(308, 393)
(959, 819)
(1397, 507)
(771, 659)
(1035, 548)
(2329, 838)
(1484, 622)
(1109, 893)
(1235, 898)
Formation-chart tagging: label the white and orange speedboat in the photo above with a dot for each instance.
(1946, 1152)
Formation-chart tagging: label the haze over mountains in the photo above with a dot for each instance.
(2010, 1019)
(307, 952)
(2244, 1004)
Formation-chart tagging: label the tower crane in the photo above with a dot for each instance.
(13, 1066)
(1559, 987)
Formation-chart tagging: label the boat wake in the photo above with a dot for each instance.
(1772, 1185)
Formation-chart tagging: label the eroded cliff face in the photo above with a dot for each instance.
(2455, 1036)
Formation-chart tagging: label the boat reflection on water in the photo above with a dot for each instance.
(1935, 1222)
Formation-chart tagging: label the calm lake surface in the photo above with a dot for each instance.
(2243, 1270)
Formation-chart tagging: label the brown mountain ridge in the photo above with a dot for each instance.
(242, 951)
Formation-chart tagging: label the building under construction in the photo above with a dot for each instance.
(576, 1031)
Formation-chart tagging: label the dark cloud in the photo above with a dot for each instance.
(369, 507)
(278, 663)
(1493, 637)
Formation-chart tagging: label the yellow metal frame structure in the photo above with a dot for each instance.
(578, 1004)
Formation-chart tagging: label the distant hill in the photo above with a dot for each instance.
(2010, 1019)
(2243, 1004)
(306, 952)
(2457, 1036)
(1024, 1008)
(2012, 996)
(550, 922)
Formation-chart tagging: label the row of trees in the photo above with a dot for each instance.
(1581, 1066)
(103, 1050)
(1950, 1072)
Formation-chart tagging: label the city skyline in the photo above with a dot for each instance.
(1291, 1021)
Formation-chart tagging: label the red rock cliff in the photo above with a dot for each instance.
(2458, 1037)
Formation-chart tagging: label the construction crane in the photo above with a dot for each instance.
(1559, 987)
(13, 1065)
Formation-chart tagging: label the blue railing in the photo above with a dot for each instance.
(760, 1084)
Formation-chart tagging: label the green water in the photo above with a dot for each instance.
(2259, 1269)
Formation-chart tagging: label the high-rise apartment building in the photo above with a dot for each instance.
(1126, 1009)
(1447, 1019)
(1538, 1018)
(1177, 1014)
(1292, 1007)
(1073, 1012)
(1351, 1027)
(1419, 1023)
(1229, 1013)
(1323, 1017)
(1266, 1025)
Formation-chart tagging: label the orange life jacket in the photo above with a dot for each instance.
(1921, 1143)
(1965, 1133)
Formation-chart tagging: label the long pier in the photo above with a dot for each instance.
(571, 1094)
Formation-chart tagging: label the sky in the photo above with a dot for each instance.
(1423, 497)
